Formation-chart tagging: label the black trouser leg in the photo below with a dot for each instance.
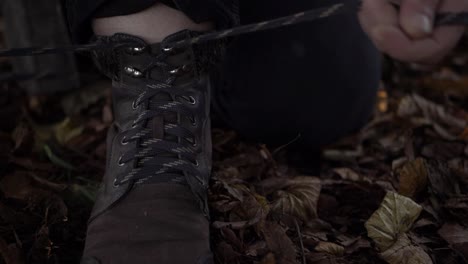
(317, 79)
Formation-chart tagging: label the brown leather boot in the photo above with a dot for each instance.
(152, 206)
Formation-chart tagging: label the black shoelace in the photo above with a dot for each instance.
(174, 155)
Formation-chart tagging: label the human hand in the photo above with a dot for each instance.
(408, 34)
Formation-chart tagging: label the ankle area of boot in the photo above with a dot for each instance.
(128, 58)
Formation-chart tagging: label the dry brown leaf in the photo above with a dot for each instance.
(22, 136)
(279, 243)
(236, 191)
(457, 236)
(443, 85)
(394, 217)
(330, 248)
(22, 186)
(347, 174)
(443, 183)
(404, 252)
(413, 178)
(268, 259)
(454, 233)
(257, 249)
(458, 207)
(18, 185)
(438, 113)
(407, 107)
(233, 225)
(10, 254)
(226, 253)
(445, 124)
(299, 199)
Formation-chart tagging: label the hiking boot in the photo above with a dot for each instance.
(152, 207)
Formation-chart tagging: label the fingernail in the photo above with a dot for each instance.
(420, 24)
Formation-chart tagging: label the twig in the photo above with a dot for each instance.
(286, 145)
(299, 234)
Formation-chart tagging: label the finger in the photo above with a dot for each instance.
(397, 44)
(417, 17)
(375, 14)
(429, 50)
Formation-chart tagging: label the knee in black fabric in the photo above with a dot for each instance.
(317, 79)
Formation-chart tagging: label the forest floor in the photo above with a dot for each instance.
(395, 192)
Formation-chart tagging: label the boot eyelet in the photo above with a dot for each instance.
(192, 100)
(135, 50)
(174, 71)
(167, 49)
(194, 122)
(120, 162)
(185, 67)
(196, 163)
(134, 125)
(124, 141)
(116, 183)
(134, 105)
(133, 72)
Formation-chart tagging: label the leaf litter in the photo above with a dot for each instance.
(395, 192)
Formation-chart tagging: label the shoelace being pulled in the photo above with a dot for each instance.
(174, 155)
(352, 6)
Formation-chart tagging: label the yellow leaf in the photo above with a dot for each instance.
(394, 217)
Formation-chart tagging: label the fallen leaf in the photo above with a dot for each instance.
(443, 183)
(23, 136)
(438, 113)
(299, 199)
(257, 249)
(454, 233)
(457, 236)
(413, 178)
(458, 207)
(268, 259)
(404, 252)
(330, 248)
(443, 150)
(279, 243)
(235, 191)
(347, 174)
(233, 225)
(407, 107)
(226, 253)
(74, 103)
(10, 254)
(23, 187)
(394, 217)
(444, 123)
